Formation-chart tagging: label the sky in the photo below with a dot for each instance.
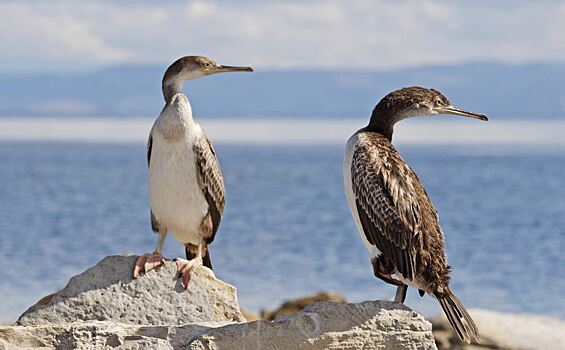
(57, 35)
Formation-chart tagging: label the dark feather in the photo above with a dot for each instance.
(154, 222)
(458, 317)
(149, 148)
(211, 182)
(394, 233)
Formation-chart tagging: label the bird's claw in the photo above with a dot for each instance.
(146, 263)
(186, 267)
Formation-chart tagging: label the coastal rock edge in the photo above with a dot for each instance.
(104, 307)
(324, 325)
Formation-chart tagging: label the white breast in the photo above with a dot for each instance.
(350, 196)
(174, 194)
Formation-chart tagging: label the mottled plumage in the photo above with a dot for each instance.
(395, 217)
(395, 210)
(211, 184)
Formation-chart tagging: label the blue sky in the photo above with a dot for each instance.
(58, 35)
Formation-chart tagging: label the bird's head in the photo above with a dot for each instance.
(192, 67)
(418, 101)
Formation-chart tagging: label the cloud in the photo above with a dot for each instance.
(39, 36)
(350, 34)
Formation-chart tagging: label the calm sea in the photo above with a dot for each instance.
(287, 230)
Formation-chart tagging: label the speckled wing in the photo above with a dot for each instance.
(392, 205)
(211, 182)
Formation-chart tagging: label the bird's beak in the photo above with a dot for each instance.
(226, 69)
(457, 111)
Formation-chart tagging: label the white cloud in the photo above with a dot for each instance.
(351, 34)
(38, 37)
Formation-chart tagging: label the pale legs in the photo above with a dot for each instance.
(187, 267)
(148, 262)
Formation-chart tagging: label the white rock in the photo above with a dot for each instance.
(154, 312)
(107, 292)
(368, 325)
(326, 325)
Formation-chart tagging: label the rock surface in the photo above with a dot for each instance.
(368, 325)
(505, 331)
(326, 325)
(107, 292)
(104, 308)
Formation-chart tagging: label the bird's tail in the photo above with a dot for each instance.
(206, 260)
(458, 317)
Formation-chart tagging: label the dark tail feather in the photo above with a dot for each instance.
(206, 261)
(458, 317)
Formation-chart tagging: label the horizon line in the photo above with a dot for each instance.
(288, 131)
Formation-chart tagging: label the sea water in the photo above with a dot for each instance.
(287, 230)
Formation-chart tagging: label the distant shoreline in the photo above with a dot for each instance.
(287, 130)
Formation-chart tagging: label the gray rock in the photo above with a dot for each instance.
(325, 325)
(107, 292)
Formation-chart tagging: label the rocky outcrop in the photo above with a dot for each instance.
(505, 331)
(107, 292)
(368, 325)
(290, 307)
(104, 308)
(326, 325)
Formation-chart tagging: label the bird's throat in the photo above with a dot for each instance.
(171, 87)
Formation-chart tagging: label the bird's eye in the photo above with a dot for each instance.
(207, 65)
(439, 102)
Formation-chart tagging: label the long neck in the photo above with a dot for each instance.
(382, 121)
(171, 85)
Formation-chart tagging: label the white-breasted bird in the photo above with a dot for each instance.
(186, 186)
(392, 211)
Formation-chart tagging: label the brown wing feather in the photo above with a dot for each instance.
(211, 182)
(393, 207)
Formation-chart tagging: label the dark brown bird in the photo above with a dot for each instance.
(395, 217)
